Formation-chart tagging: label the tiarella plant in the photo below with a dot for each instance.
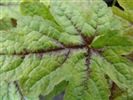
(80, 47)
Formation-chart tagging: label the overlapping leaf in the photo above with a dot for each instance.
(127, 14)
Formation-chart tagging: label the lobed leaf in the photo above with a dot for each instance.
(75, 47)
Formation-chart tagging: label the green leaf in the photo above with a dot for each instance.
(45, 2)
(117, 68)
(9, 2)
(6, 23)
(83, 17)
(66, 46)
(113, 40)
(43, 36)
(11, 11)
(128, 10)
(90, 85)
(9, 91)
(35, 8)
(126, 14)
(126, 4)
(60, 88)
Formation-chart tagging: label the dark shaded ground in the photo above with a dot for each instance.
(111, 2)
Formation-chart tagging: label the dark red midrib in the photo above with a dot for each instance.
(112, 89)
(87, 42)
(26, 52)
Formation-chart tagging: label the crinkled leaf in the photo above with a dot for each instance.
(67, 46)
(9, 14)
(84, 17)
(89, 85)
(9, 91)
(7, 23)
(9, 11)
(117, 68)
(31, 7)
